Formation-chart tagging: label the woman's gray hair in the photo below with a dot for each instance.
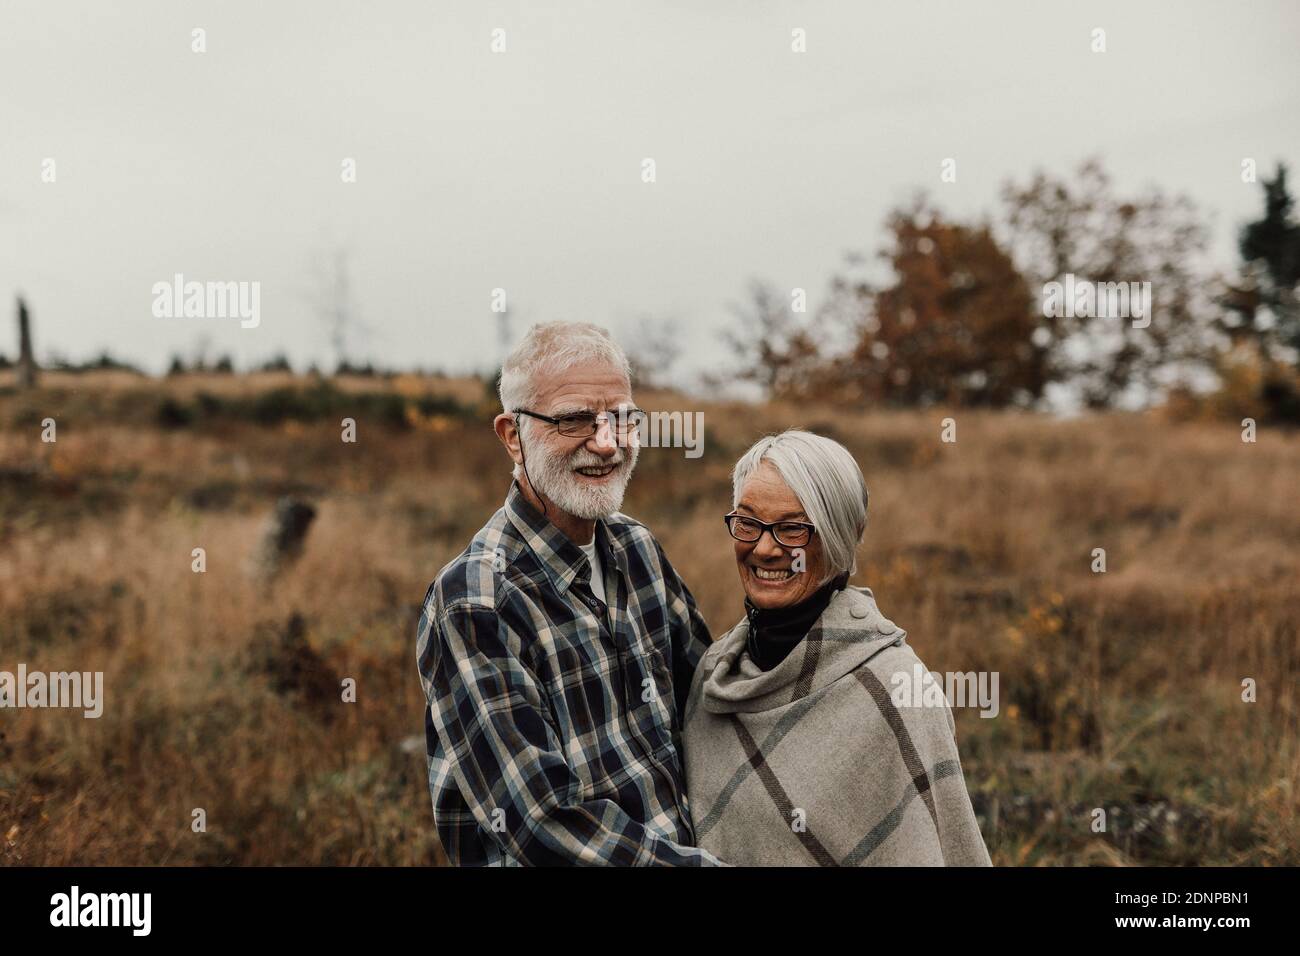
(549, 347)
(828, 483)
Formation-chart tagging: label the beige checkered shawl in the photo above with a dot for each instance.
(814, 764)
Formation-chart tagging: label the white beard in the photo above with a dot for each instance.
(552, 476)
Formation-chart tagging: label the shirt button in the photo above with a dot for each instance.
(858, 612)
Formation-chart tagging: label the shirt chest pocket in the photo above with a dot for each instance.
(650, 692)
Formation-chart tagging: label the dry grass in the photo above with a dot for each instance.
(1118, 690)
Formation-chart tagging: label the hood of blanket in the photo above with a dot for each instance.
(849, 632)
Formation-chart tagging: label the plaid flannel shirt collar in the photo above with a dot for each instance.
(563, 561)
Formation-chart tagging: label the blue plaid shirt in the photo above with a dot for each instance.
(555, 714)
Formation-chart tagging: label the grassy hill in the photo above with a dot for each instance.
(1119, 691)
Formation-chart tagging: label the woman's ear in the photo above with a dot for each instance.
(508, 432)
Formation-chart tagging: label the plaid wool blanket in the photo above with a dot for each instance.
(815, 763)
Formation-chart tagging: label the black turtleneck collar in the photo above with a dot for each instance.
(775, 632)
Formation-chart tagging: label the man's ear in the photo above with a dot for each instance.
(504, 424)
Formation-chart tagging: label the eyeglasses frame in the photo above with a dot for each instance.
(766, 527)
(596, 420)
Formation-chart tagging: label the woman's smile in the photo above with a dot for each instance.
(771, 576)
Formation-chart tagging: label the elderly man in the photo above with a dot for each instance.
(556, 651)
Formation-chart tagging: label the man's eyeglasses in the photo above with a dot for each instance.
(585, 424)
(790, 534)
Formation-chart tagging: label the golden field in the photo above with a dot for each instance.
(1119, 691)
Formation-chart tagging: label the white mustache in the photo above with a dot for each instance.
(595, 461)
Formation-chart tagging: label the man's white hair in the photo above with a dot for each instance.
(551, 347)
(828, 483)
(548, 348)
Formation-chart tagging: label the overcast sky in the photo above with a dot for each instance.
(522, 170)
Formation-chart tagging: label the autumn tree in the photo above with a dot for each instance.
(1080, 226)
(954, 324)
(774, 348)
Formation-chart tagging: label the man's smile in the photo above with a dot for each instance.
(596, 472)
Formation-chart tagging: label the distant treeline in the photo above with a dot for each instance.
(224, 365)
(105, 361)
(280, 363)
(317, 402)
(1072, 288)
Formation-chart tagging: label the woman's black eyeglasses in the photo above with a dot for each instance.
(790, 534)
(585, 424)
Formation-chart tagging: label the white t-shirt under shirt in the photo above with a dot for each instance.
(597, 572)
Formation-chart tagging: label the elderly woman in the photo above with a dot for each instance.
(796, 752)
